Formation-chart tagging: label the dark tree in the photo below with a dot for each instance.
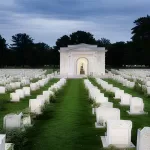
(64, 41)
(141, 39)
(82, 37)
(43, 54)
(115, 54)
(22, 44)
(3, 47)
(103, 42)
(141, 31)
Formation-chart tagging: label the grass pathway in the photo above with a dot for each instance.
(10, 107)
(71, 125)
(138, 121)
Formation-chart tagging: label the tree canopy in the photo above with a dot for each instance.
(3, 47)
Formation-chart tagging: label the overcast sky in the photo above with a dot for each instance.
(47, 20)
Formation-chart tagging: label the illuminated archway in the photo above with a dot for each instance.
(82, 66)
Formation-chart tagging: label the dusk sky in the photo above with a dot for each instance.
(48, 20)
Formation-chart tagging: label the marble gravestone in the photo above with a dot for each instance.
(14, 97)
(34, 86)
(107, 104)
(2, 90)
(82, 59)
(118, 134)
(12, 121)
(143, 139)
(103, 114)
(26, 91)
(2, 141)
(125, 99)
(136, 106)
(20, 92)
(35, 106)
(101, 99)
(118, 94)
(46, 94)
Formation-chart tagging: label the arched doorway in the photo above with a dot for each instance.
(82, 66)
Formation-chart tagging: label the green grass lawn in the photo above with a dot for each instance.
(71, 123)
(10, 107)
(139, 121)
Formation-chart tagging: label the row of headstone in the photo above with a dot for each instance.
(110, 117)
(41, 83)
(20, 121)
(37, 104)
(142, 75)
(19, 94)
(14, 79)
(122, 80)
(118, 131)
(10, 73)
(104, 110)
(94, 93)
(136, 104)
(26, 91)
(18, 74)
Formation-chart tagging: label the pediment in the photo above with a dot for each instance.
(82, 47)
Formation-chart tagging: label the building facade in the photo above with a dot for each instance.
(82, 59)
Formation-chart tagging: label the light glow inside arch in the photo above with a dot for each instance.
(82, 63)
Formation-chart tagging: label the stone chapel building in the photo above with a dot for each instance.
(82, 59)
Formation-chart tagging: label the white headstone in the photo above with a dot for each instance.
(2, 90)
(119, 133)
(12, 121)
(101, 99)
(143, 139)
(20, 92)
(125, 99)
(35, 106)
(2, 141)
(14, 97)
(119, 93)
(136, 105)
(26, 91)
(46, 94)
(33, 86)
(148, 90)
(103, 114)
(42, 98)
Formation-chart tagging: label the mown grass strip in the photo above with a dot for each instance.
(70, 125)
(138, 121)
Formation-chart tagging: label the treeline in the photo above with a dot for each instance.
(23, 52)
